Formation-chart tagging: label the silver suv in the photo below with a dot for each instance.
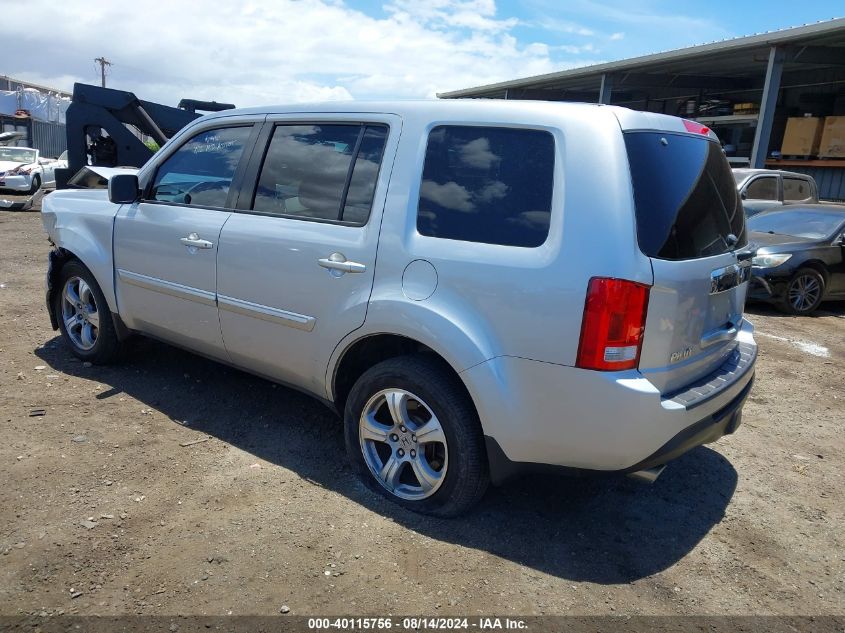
(481, 288)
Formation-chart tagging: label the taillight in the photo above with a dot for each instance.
(695, 127)
(612, 329)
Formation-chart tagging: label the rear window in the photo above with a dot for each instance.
(796, 189)
(685, 196)
(487, 184)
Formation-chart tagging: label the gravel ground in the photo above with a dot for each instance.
(171, 484)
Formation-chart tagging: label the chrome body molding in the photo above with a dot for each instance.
(266, 313)
(167, 287)
(729, 277)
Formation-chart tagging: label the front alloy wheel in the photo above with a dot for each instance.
(83, 315)
(80, 314)
(805, 291)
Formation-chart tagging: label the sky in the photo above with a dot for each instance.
(259, 52)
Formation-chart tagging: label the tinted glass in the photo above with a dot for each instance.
(795, 189)
(484, 184)
(765, 188)
(685, 196)
(362, 184)
(307, 169)
(201, 171)
(797, 222)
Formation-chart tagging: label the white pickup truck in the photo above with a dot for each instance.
(24, 169)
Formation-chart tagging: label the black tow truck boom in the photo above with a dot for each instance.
(97, 132)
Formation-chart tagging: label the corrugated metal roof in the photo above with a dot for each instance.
(829, 32)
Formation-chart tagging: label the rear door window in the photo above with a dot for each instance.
(685, 196)
(763, 188)
(322, 172)
(796, 189)
(487, 184)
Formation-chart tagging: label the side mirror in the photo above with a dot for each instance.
(839, 241)
(744, 195)
(124, 189)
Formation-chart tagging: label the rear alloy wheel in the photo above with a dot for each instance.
(403, 444)
(804, 292)
(413, 436)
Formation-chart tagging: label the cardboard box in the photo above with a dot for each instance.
(802, 136)
(833, 138)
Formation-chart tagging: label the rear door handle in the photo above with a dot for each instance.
(193, 240)
(338, 264)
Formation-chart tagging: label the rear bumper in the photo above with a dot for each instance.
(538, 416)
(724, 422)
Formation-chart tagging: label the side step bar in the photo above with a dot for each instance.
(649, 475)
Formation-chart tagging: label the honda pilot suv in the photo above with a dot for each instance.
(479, 288)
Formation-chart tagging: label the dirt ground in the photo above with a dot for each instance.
(170, 484)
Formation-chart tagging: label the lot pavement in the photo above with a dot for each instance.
(171, 484)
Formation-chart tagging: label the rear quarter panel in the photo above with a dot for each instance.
(493, 300)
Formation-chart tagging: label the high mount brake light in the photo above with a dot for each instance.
(613, 324)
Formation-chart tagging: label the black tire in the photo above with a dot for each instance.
(36, 184)
(107, 346)
(812, 281)
(467, 476)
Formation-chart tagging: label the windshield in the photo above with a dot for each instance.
(17, 155)
(87, 178)
(800, 223)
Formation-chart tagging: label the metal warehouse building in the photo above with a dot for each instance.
(775, 99)
(37, 112)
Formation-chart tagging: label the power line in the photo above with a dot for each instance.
(103, 62)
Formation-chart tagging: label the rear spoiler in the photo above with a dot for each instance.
(631, 120)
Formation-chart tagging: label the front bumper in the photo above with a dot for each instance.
(537, 415)
(767, 286)
(16, 183)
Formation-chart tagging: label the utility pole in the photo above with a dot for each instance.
(103, 62)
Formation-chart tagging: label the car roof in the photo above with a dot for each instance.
(827, 209)
(468, 109)
(747, 172)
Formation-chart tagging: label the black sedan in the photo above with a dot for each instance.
(800, 259)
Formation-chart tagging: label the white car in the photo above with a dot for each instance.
(24, 169)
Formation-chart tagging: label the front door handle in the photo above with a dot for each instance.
(338, 265)
(193, 240)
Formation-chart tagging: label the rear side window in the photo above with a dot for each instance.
(487, 184)
(764, 188)
(685, 196)
(201, 171)
(796, 189)
(324, 172)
